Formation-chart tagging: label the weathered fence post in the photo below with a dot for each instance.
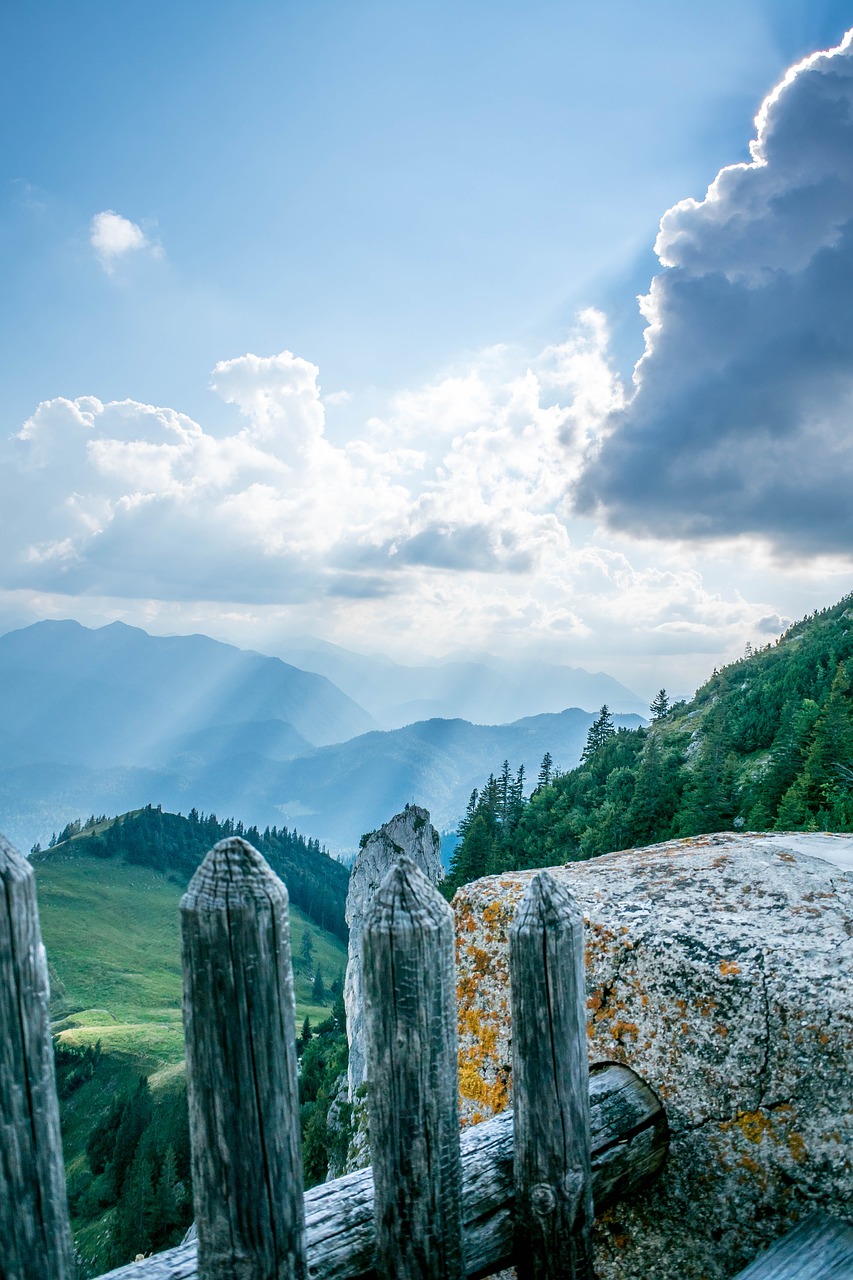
(550, 1086)
(241, 1069)
(409, 984)
(35, 1236)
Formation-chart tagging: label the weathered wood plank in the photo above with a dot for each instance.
(550, 1086)
(35, 1236)
(409, 985)
(239, 1020)
(821, 1248)
(629, 1137)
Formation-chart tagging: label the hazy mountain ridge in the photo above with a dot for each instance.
(114, 719)
(115, 694)
(487, 690)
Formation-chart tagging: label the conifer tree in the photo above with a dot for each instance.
(600, 731)
(660, 705)
(546, 769)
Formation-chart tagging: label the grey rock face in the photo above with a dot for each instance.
(720, 969)
(412, 833)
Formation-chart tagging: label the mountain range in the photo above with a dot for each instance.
(112, 719)
(488, 690)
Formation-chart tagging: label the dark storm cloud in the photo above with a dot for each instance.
(464, 547)
(742, 418)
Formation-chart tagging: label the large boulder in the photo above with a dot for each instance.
(719, 968)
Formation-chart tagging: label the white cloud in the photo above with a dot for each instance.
(113, 237)
(465, 537)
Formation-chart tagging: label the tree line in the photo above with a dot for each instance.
(175, 845)
(765, 744)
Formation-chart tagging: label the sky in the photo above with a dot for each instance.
(428, 328)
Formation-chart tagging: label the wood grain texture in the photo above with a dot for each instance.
(35, 1236)
(629, 1145)
(239, 1021)
(821, 1248)
(409, 987)
(550, 1086)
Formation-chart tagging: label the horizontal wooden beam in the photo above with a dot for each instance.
(630, 1138)
(821, 1248)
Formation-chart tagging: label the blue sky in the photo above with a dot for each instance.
(418, 200)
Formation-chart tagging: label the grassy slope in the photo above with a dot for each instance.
(111, 935)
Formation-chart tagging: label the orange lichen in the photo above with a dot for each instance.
(752, 1124)
(797, 1146)
(474, 1088)
(620, 1029)
(482, 959)
(728, 967)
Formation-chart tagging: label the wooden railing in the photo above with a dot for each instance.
(519, 1188)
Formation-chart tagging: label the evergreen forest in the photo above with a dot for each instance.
(766, 744)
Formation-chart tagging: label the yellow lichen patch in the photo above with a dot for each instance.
(473, 1088)
(721, 1029)
(728, 967)
(470, 1023)
(797, 1146)
(784, 856)
(466, 989)
(621, 1028)
(492, 914)
(752, 1124)
(482, 959)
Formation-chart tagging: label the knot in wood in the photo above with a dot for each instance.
(542, 1199)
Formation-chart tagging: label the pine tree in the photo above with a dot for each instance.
(660, 705)
(134, 1217)
(307, 1033)
(306, 950)
(600, 731)
(318, 990)
(167, 1200)
(545, 772)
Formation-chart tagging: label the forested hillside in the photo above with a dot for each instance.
(174, 844)
(766, 744)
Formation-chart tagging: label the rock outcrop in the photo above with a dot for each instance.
(409, 832)
(718, 968)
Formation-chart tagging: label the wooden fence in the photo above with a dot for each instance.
(520, 1188)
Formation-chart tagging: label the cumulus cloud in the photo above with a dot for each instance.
(741, 416)
(432, 538)
(114, 237)
(126, 496)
